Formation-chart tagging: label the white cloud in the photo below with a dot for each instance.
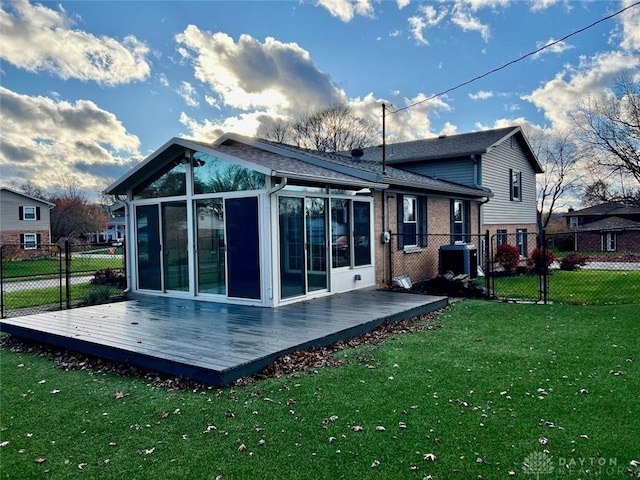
(630, 27)
(402, 3)
(164, 81)
(249, 75)
(36, 38)
(188, 94)
(540, 5)
(557, 48)
(428, 17)
(481, 95)
(462, 16)
(47, 140)
(559, 97)
(345, 10)
(395, 33)
(210, 130)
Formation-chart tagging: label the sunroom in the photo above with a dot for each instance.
(247, 221)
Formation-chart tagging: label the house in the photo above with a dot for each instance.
(24, 219)
(248, 221)
(499, 160)
(607, 227)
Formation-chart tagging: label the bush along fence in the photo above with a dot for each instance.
(36, 278)
(528, 267)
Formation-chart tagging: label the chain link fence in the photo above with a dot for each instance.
(519, 267)
(38, 278)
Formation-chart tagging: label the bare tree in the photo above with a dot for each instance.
(558, 156)
(608, 128)
(276, 130)
(329, 129)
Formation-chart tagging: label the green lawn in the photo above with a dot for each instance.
(14, 270)
(497, 384)
(51, 295)
(582, 286)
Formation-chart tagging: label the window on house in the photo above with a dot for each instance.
(609, 241)
(350, 233)
(29, 241)
(29, 213)
(412, 221)
(501, 237)
(460, 220)
(521, 241)
(515, 179)
(573, 222)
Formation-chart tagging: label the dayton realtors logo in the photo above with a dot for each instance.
(538, 463)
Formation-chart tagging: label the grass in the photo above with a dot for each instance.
(583, 286)
(51, 295)
(49, 267)
(496, 384)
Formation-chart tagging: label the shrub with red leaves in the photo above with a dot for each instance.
(508, 257)
(538, 262)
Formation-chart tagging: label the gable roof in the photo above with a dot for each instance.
(451, 146)
(605, 209)
(29, 197)
(281, 160)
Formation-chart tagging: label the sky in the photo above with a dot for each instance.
(90, 88)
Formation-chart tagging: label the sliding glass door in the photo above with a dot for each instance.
(211, 263)
(303, 245)
(175, 241)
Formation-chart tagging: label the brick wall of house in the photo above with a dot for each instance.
(422, 263)
(626, 241)
(14, 236)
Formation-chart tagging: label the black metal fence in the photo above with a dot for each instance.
(36, 278)
(523, 267)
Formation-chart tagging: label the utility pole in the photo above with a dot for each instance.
(384, 141)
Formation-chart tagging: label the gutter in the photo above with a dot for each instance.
(127, 217)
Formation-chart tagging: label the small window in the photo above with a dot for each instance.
(30, 241)
(29, 213)
(521, 241)
(410, 220)
(501, 237)
(516, 185)
(573, 222)
(609, 241)
(460, 220)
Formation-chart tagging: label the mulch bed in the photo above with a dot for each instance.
(290, 364)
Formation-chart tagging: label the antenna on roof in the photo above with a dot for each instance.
(384, 142)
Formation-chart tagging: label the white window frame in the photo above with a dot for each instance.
(30, 241)
(516, 186)
(409, 207)
(521, 234)
(609, 241)
(573, 222)
(502, 237)
(32, 215)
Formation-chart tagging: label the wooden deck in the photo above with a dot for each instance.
(214, 343)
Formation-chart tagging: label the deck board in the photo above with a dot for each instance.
(213, 342)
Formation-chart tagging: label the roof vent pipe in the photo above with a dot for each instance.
(356, 154)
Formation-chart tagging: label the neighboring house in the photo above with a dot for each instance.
(608, 227)
(116, 226)
(249, 221)
(24, 219)
(500, 161)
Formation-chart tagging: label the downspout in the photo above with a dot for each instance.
(279, 186)
(127, 249)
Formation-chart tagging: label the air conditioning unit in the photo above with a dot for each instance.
(459, 259)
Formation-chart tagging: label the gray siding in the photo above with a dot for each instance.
(495, 175)
(10, 204)
(460, 171)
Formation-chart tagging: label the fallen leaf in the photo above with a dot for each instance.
(380, 428)
(4, 444)
(146, 451)
(82, 465)
(242, 448)
(42, 381)
(119, 395)
(40, 460)
(164, 414)
(375, 463)
(209, 428)
(429, 457)
(357, 428)
(55, 391)
(402, 425)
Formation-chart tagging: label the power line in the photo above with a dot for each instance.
(516, 60)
